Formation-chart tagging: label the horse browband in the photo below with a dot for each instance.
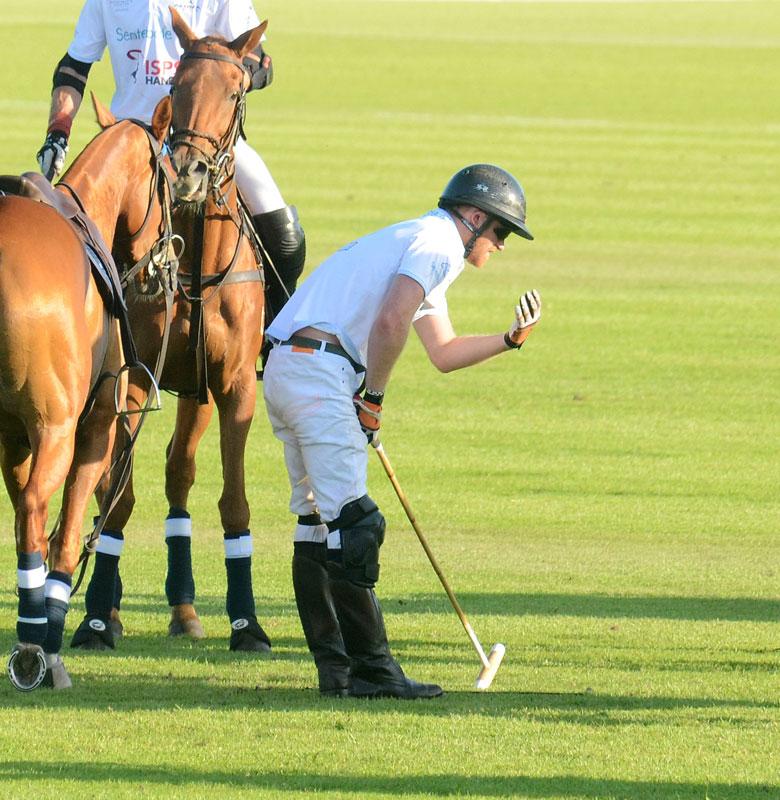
(214, 57)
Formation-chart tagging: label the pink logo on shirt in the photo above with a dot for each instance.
(156, 71)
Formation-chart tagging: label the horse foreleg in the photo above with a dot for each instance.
(192, 419)
(235, 418)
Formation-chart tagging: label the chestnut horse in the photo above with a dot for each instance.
(215, 339)
(62, 380)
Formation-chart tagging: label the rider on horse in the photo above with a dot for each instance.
(144, 56)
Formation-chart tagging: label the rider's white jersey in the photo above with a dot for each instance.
(143, 46)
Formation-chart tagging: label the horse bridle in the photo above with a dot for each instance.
(219, 160)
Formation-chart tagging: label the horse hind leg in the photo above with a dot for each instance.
(15, 462)
(94, 442)
(52, 454)
(192, 419)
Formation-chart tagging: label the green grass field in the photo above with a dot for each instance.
(604, 502)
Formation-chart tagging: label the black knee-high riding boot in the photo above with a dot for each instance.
(375, 673)
(318, 618)
(284, 241)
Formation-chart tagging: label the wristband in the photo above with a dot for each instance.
(61, 123)
(374, 397)
(510, 344)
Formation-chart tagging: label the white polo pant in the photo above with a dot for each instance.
(255, 182)
(308, 396)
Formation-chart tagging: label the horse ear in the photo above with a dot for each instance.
(247, 42)
(104, 117)
(161, 119)
(183, 31)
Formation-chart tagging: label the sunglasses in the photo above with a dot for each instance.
(501, 232)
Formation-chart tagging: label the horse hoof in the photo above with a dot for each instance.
(56, 675)
(26, 667)
(246, 636)
(185, 622)
(115, 625)
(93, 634)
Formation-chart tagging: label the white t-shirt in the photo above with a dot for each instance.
(143, 46)
(344, 295)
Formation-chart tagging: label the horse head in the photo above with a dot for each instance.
(209, 97)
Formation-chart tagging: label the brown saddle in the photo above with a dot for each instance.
(35, 187)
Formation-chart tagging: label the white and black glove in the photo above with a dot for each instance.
(51, 157)
(527, 314)
(368, 408)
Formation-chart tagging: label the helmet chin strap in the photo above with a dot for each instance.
(475, 232)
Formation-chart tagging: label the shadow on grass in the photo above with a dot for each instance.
(514, 604)
(694, 609)
(254, 779)
(265, 686)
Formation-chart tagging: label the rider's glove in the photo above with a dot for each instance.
(527, 314)
(369, 411)
(51, 157)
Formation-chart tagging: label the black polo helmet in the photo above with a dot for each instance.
(492, 190)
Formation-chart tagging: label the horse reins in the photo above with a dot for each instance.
(124, 460)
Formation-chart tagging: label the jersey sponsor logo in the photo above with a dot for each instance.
(154, 71)
(142, 34)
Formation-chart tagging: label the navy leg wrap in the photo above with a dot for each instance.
(57, 602)
(99, 597)
(179, 582)
(31, 575)
(118, 588)
(240, 601)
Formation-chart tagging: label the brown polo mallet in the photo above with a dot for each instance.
(490, 662)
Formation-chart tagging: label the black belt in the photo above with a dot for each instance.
(318, 344)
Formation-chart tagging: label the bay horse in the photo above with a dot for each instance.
(213, 346)
(62, 376)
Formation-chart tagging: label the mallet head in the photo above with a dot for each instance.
(488, 672)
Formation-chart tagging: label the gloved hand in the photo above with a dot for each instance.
(369, 411)
(527, 314)
(51, 157)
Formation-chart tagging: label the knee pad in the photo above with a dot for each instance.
(362, 529)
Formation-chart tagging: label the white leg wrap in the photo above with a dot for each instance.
(239, 548)
(31, 578)
(178, 526)
(109, 545)
(57, 590)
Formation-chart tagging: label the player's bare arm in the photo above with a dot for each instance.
(390, 330)
(448, 351)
